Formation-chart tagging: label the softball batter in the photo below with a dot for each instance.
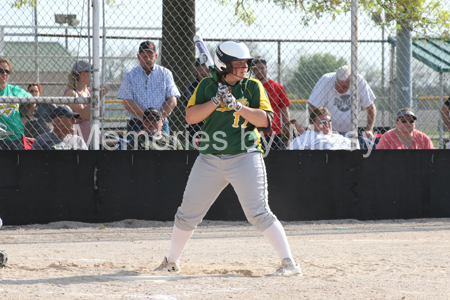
(233, 107)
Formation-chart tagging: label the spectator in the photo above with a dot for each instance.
(404, 135)
(321, 137)
(61, 137)
(153, 137)
(279, 101)
(333, 92)
(77, 86)
(10, 121)
(202, 72)
(39, 120)
(148, 85)
(445, 113)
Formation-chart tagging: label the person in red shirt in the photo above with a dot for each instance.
(279, 101)
(405, 135)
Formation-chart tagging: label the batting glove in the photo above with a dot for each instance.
(217, 101)
(232, 103)
(222, 91)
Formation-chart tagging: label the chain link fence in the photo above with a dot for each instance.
(42, 42)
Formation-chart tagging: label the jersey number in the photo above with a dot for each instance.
(236, 121)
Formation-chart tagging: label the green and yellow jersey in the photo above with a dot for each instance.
(225, 131)
(9, 112)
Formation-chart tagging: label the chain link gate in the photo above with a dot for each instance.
(45, 40)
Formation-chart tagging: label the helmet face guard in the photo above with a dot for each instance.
(230, 51)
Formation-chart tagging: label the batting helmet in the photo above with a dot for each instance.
(228, 52)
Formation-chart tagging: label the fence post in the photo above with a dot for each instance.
(404, 56)
(96, 62)
(102, 100)
(441, 102)
(36, 44)
(279, 61)
(354, 68)
(392, 88)
(2, 41)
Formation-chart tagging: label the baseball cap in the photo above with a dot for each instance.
(152, 112)
(81, 66)
(65, 111)
(406, 112)
(259, 59)
(147, 46)
(199, 62)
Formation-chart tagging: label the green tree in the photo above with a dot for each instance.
(420, 16)
(309, 70)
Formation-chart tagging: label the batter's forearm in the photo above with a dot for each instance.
(257, 117)
(199, 112)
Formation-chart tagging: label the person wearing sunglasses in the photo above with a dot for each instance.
(321, 136)
(10, 120)
(405, 135)
(153, 137)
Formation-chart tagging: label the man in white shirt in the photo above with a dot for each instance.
(333, 92)
(321, 137)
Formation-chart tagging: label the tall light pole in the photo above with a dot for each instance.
(66, 19)
(36, 43)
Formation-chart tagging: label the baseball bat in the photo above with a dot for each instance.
(200, 44)
(204, 53)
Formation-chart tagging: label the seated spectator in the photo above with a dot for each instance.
(61, 137)
(321, 136)
(38, 122)
(153, 137)
(404, 135)
(445, 113)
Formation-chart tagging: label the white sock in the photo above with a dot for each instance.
(179, 240)
(277, 238)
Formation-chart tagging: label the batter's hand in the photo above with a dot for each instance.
(232, 103)
(222, 91)
(217, 101)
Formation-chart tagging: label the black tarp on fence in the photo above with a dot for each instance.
(105, 186)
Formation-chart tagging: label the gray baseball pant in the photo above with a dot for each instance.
(211, 174)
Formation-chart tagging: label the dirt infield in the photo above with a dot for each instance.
(344, 259)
